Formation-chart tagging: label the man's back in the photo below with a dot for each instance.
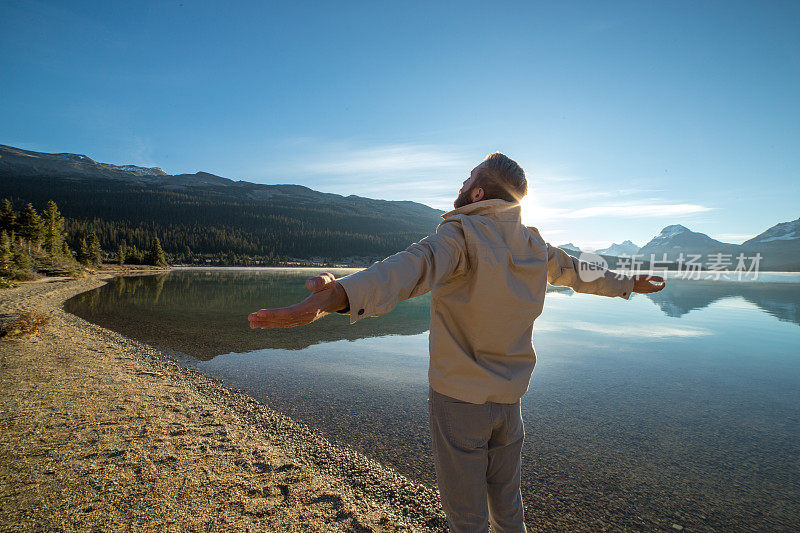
(482, 320)
(488, 274)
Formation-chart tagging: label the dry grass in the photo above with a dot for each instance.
(26, 275)
(24, 324)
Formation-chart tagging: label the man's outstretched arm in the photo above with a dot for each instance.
(376, 290)
(569, 271)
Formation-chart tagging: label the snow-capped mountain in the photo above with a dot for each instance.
(627, 248)
(569, 247)
(779, 246)
(785, 231)
(669, 233)
(674, 239)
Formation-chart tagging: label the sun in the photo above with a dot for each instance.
(529, 208)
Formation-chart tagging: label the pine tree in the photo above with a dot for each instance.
(156, 254)
(133, 256)
(54, 233)
(20, 260)
(95, 252)
(83, 252)
(122, 251)
(5, 254)
(8, 218)
(30, 227)
(65, 251)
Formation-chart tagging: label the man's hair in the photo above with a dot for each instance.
(501, 177)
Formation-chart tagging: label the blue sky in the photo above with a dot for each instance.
(627, 116)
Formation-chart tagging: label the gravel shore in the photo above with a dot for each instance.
(102, 432)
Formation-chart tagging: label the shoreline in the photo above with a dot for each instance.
(100, 430)
(654, 272)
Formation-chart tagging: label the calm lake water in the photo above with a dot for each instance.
(680, 407)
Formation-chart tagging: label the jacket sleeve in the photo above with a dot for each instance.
(566, 270)
(376, 290)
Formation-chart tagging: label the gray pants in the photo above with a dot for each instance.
(477, 454)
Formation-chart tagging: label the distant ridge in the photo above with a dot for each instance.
(16, 162)
(569, 247)
(626, 248)
(211, 214)
(779, 246)
(785, 231)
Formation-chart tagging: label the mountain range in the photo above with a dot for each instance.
(18, 163)
(779, 247)
(216, 214)
(625, 248)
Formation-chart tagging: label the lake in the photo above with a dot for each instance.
(678, 407)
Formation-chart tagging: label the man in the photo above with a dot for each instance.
(487, 274)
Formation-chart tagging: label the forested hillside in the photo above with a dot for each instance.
(203, 216)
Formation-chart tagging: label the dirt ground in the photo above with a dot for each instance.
(99, 432)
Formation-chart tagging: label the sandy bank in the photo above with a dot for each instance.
(99, 431)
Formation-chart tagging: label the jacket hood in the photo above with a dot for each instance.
(486, 207)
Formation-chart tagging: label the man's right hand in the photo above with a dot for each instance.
(328, 296)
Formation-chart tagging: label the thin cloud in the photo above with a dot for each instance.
(432, 174)
(738, 238)
(571, 196)
(390, 160)
(553, 206)
(553, 197)
(638, 210)
(535, 179)
(641, 209)
(426, 173)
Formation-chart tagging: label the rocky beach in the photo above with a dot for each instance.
(102, 432)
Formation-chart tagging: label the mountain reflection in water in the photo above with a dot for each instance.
(204, 313)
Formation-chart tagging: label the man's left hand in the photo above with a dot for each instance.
(328, 296)
(642, 283)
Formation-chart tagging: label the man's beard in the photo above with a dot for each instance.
(463, 198)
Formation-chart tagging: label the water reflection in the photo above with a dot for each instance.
(204, 313)
(781, 300)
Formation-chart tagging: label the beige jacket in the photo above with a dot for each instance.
(487, 274)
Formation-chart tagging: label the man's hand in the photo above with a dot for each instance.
(642, 283)
(328, 296)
